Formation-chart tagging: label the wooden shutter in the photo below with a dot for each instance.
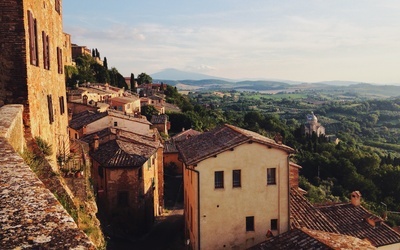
(50, 108)
(33, 54)
(46, 50)
(62, 108)
(59, 60)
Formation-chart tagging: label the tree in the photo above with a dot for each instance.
(105, 64)
(132, 82)
(116, 79)
(144, 78)
(149, 111)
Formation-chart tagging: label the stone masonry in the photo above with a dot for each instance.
(30, 215)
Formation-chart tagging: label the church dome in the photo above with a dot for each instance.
(311, 118)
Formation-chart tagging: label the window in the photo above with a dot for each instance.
(219, 179)
(140, 174)
(274, 224)
(58, 6)
(115, 124)
(249, 223)
(33, 47)
(50, 108)
(100, 171)
(236, 178)
(271, 176)
(59, 60)
(46, 51)
(123, 199)
(62, 107)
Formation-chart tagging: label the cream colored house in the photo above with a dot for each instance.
(236, 188)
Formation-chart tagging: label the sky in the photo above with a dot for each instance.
(298, 40)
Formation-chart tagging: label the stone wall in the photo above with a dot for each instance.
(21, 82)
(30, 215)
(11, 127)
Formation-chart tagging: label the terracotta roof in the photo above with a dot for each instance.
(159, 119)
(124, 99)
(84, 118)
(122, 153)
(312, 239)
(344, 218)
(353, 220)
(304, 214)
(185, 135)
(170, 147)
(154, 97)
(205, 145)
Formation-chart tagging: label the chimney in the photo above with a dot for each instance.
(69, 115)
(118, 132)
(85, 98)
(95, 142)
(278, 138)
(356, 198)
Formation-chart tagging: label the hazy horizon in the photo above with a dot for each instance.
(305, 41)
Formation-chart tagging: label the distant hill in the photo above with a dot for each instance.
(200, 82)
(176, 75)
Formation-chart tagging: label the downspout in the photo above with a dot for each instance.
(198, 205)
(288, 177)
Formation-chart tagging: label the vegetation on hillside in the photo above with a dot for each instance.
(366, 158)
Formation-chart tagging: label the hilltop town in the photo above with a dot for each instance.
(90, 159)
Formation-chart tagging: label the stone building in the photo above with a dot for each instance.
(236, 188)
(32, 67)
(127, 175)
(312, 126)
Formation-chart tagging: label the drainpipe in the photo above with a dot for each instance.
(288, 185)
(198, 205)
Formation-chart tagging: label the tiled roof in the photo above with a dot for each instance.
(159, 119)
(205, 145)
(122, 148)
(124, 99)
(119, 114)
(342, 218)
(84, 118)
(122, 153)
(352, 220)
(185, 135)
(170, 147)
(304, 214)
(304, 238)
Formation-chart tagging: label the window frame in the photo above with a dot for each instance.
(250, 224)
(46, 50)
(219, 179)
(123, 199)
(33, 42)
(60, 60)
(236, 178)
(62, 105)
(50, 108)
(271, 176)
(274, 224)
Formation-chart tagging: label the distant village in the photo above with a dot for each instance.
(238, 189)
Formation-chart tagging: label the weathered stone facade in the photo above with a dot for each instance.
(31, 67)
(30, 215)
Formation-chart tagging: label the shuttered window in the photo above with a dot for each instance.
(32, 29)
(50, 108)
(62, 107)
(46, 50)
(58, 6)
(59, 60)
